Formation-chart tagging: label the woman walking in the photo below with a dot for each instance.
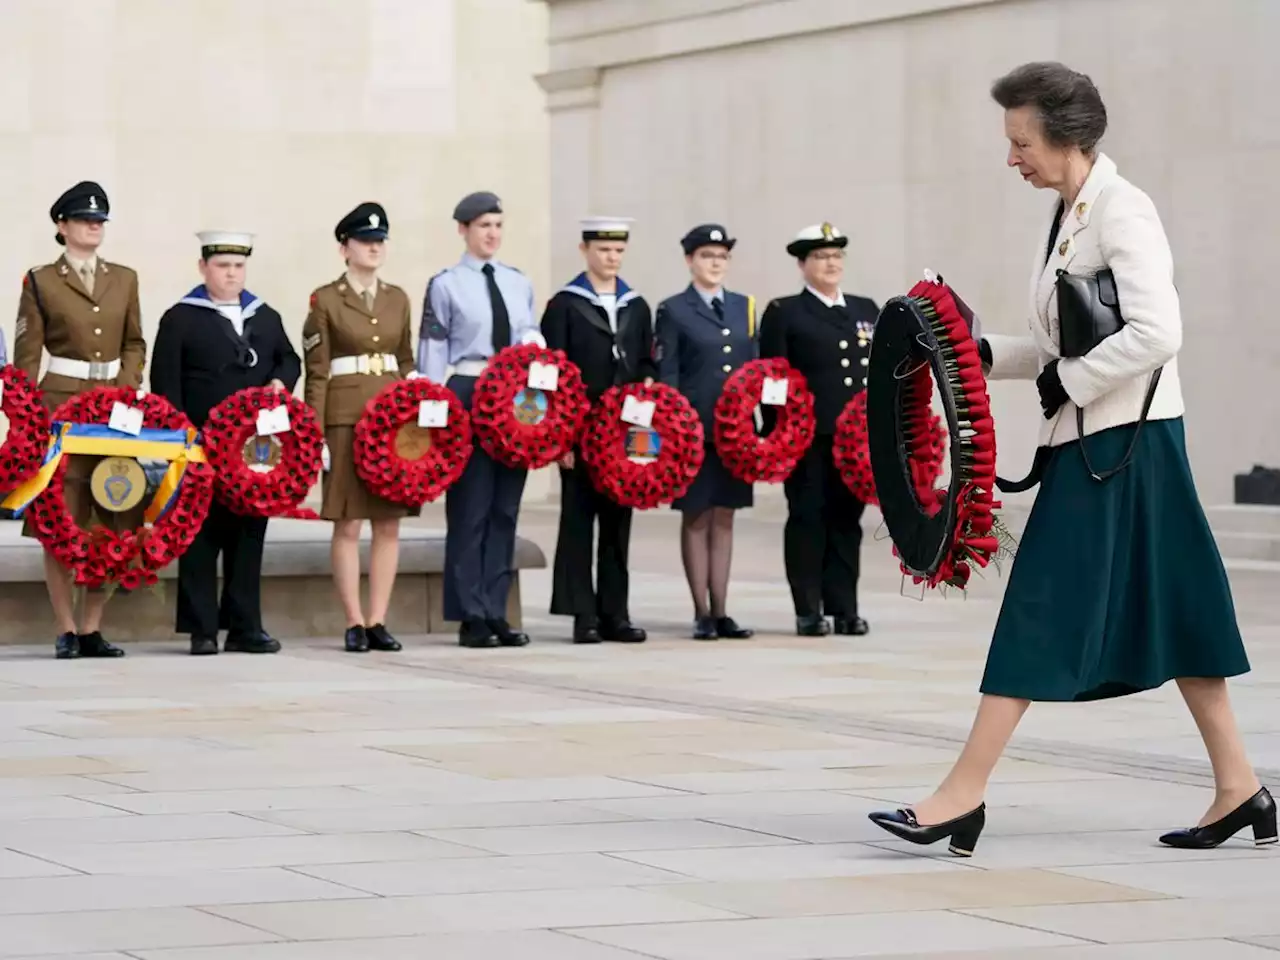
(1118, 586)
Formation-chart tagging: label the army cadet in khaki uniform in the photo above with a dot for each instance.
(84, 312)
(357, 340)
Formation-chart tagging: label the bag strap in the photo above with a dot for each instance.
(1146, 408)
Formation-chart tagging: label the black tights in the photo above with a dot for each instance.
(706, 546)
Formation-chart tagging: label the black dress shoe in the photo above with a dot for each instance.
(728, 628)
(251, 643)
(67, 647)
(704, 628)
(506, 636)
(963, 831)
(586, 630)
(380, 639)
(203, 646)
(355, 640)
(814, 625)
(851, 627)
(1258, 812)
(93, 645)
(621, 631)
(476, 633)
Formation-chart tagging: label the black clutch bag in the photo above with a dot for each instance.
(1088, 313)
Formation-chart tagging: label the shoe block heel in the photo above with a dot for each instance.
(1264, 829)
(965, 840)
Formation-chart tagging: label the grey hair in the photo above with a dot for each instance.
(1070, 108)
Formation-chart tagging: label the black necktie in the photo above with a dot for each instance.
(501, 319)
(718, 306)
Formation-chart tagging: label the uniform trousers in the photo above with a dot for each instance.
(582, 507)
(481, 509)
(239, 611)
(823, 536)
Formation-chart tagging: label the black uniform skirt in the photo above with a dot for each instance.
(1116, 587)
(714, 486)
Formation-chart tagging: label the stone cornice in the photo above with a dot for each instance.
(616, 32)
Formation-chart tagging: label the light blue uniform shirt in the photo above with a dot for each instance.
(457, 319)
(708, 297)
(4, 353)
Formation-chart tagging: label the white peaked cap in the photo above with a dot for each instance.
(225, 241)
(607, 227)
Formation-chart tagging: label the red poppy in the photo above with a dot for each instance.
(24, 448)
(399, 479)
(770, 458)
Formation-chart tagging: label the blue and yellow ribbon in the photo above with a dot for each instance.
(179, 447)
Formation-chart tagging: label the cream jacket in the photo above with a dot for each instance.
(1113, 224)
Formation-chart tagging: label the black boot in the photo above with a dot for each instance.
(67, 647)
(380, 639)
(728, 628)
(476, 633)
(1258, 812)
(93, 645)
(203, 645)
(621, 631)
(851, 626)
(813, 625)
(704, 628)
(585, 630)
(356, 640)
(251, 643)
(506, 636)
(963, 831)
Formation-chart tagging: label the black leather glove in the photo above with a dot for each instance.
(1052, 394)
(984, 353)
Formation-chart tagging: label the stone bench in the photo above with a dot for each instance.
(298, 598)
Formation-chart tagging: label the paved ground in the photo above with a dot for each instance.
(677, 800)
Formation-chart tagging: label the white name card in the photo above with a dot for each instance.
(774, 392)
(544, 376)
(125, 419)
(273, 421)
(637, 412)
(433, 413)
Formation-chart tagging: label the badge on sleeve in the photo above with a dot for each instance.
(310, 343)
(432, 328)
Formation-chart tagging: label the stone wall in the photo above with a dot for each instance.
(874, 114)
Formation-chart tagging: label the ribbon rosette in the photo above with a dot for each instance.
(659, 481)
(392, 477)
(280, 491)
(515, 442)
(768, 459)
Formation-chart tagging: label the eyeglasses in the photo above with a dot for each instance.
(707, 255)
(829, 255)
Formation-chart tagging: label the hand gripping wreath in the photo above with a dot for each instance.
(24, 448)
(770, 458)
(522, 425)
(401, 461)
(131, 558)
(937, 534)
(264, 474)
(620, 457)
(852, 453)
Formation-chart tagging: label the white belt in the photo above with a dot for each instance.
(83, 369)
(374, 363)
(470, 368)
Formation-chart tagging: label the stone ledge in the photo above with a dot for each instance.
(298, 599)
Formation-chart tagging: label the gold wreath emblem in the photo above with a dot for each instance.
(262, 454)
(118, 484)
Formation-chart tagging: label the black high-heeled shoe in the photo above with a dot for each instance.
(1258, 812)
(963, 830)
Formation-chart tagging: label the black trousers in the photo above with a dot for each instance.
(582, 507)
(239, 610)
(481, 509)
(823, 536)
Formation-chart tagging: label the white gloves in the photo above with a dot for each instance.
(533, 336)
(324, 458)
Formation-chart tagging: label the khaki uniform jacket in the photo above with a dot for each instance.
(339, 325)
(99, 327)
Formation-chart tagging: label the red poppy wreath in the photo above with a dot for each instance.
(528, 416)
(771, 458)
(266, 460)
(24, 448)
(852, 453)
(130, 558)
(643, 467)
(412, 442)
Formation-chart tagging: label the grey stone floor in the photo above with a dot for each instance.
(676, 800)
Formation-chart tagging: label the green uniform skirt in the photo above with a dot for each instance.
(1116, 587)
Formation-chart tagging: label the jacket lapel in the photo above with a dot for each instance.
(72, 279)
(354, 300)
(1065, 247)
(102, 282)
(699, 306)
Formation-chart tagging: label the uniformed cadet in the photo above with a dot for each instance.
(826, 335)
(358, 339)
(704, 334)
(470, 312)
(606, 329)
(84, 312)
(217, 340)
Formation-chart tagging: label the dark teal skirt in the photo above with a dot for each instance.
(1116, 587)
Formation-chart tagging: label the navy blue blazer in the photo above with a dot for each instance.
(697, 351)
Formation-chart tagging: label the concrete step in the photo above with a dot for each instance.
(1244, 518)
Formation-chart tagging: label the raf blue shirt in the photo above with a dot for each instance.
(457, 319)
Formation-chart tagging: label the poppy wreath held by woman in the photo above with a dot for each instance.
(771, 458)
(24, 448)
(529, 406)
(852, 454)
(938, 534)
(643, 466)
(412, 442)
(266, 447)
(132, 558)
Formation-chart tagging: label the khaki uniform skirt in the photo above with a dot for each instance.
(345, 497)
